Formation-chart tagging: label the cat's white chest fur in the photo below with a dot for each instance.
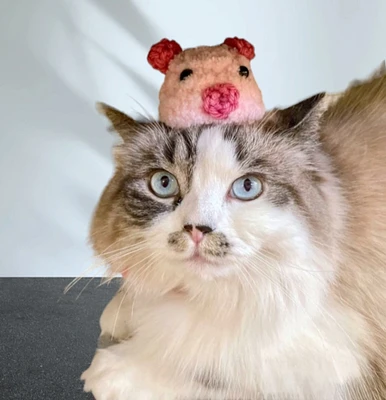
(179, 349)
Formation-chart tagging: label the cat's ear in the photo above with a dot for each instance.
(302, 118)
(121, 123)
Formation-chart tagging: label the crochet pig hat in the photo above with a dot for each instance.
(207, 84)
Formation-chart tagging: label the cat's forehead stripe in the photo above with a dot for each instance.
(169, 149)
(244, 142)
(179, 146)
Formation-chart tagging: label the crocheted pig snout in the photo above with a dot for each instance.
(220, 100)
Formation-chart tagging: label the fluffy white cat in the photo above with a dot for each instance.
(253, 256)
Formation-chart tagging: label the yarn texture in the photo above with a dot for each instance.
(162, 53)
(220, 100)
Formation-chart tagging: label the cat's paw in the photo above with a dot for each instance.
(111, 377)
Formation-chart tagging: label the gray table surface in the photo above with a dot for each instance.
(47, 338)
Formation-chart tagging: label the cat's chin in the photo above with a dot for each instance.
(198, 260)
(207, 269)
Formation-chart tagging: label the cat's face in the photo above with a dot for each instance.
(213, 202)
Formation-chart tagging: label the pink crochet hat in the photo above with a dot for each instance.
(207, 84)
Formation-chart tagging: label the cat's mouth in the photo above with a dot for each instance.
(199, 260)
(206, 267)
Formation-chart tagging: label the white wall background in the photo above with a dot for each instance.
(57, 57)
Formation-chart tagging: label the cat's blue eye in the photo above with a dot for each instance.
(164, 184)
(247, 188)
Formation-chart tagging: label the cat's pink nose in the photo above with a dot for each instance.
(197, 232)
(220, 100)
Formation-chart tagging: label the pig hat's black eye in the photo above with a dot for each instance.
(244, 71)
(185, 73)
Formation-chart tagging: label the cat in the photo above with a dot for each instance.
(254, 256)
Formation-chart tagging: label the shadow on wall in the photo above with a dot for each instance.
(90, 65)
(130, 17)
(54, 146)
(149, 89)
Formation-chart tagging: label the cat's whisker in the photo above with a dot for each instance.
(124, 286)
(125, 255)
(118, 268)
(123, 249)
(92, 267)
(134, 276)
(259, 255)
(141, 273)
(244, 277)
(149, 117)
(108, 278)
(85, 287)
(117, 314)
(148, 264)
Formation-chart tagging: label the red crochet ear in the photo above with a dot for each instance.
(162, 53)
(244, 48)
